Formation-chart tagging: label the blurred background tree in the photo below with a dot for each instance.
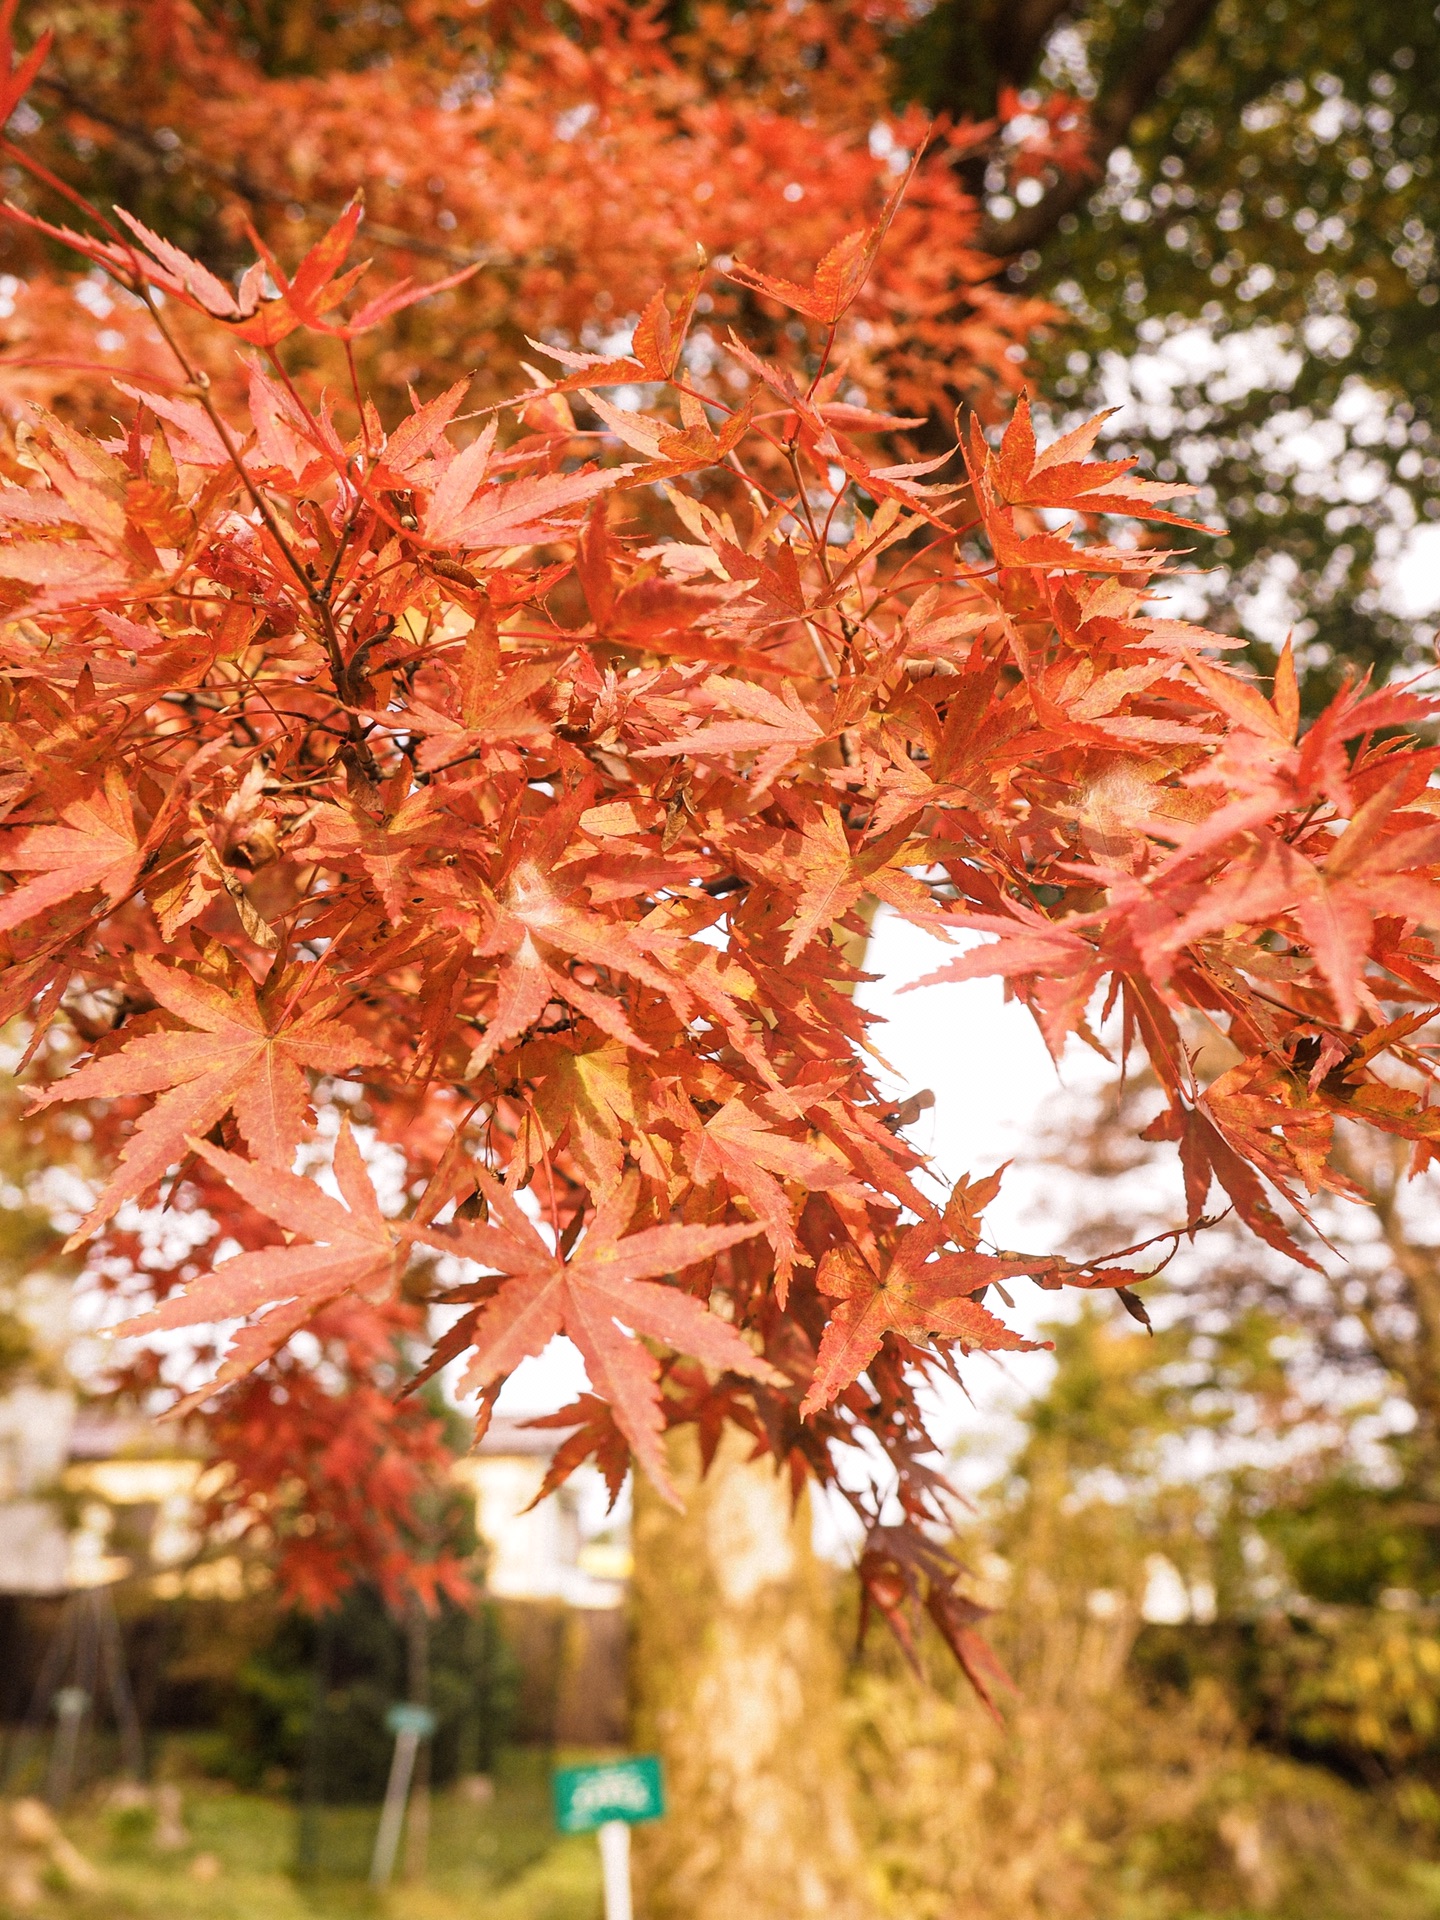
(1176, 1684)
(1230, 210)
(1250, 272)
(578, 155)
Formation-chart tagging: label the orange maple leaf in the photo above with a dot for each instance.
(250, 311)
(843, 271)
(97, 847)
(917, 1298)
(467, 507)
(740, 1143)
(606, 1287)
(349, 1249)
(233, 1058)
(1062, 477)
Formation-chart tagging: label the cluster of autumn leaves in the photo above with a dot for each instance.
(581, 153)
(521, 787)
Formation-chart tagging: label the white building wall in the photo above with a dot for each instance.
(534, 1555)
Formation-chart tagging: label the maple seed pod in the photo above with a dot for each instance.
(1135, 1307)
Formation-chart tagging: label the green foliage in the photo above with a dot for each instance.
(30, 1247)
(17, 1345)
(1111, 1400)
(1277, 1761)
(1346, 1543)
(948, 58)
(1283, 188)
(131, 1830)
(502, 1861)
(1361, 1687)
(358, 1657)
(1277, 189)
(1328, 1640)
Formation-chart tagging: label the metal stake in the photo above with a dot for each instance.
(71, 1706)
(392, 1815)
(410, 1724)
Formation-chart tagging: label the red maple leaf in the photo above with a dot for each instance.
(917, 1298)
(595, 1436)
(604, 1289)
(236, 1055)
(349, 1249)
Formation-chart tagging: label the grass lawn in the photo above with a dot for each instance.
(500, 1861)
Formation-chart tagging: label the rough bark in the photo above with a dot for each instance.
(737, 1681)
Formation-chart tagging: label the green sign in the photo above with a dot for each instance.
(588, 1797)
(411, 1719)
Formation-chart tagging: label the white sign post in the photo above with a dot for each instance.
(607, 1800)
(410, 1725)
(614, 1838)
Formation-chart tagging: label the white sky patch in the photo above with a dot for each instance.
(1322, 458)
(545, 1384)
(993, 1079)
(1228, 369)
(1413, 587)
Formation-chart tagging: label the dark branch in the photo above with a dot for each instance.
(1112, 118)
(1018, 35)
(960, 54)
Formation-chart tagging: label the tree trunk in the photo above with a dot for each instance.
(737, 1684)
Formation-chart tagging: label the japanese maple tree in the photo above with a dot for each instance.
(514, 783)
(577, 153)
